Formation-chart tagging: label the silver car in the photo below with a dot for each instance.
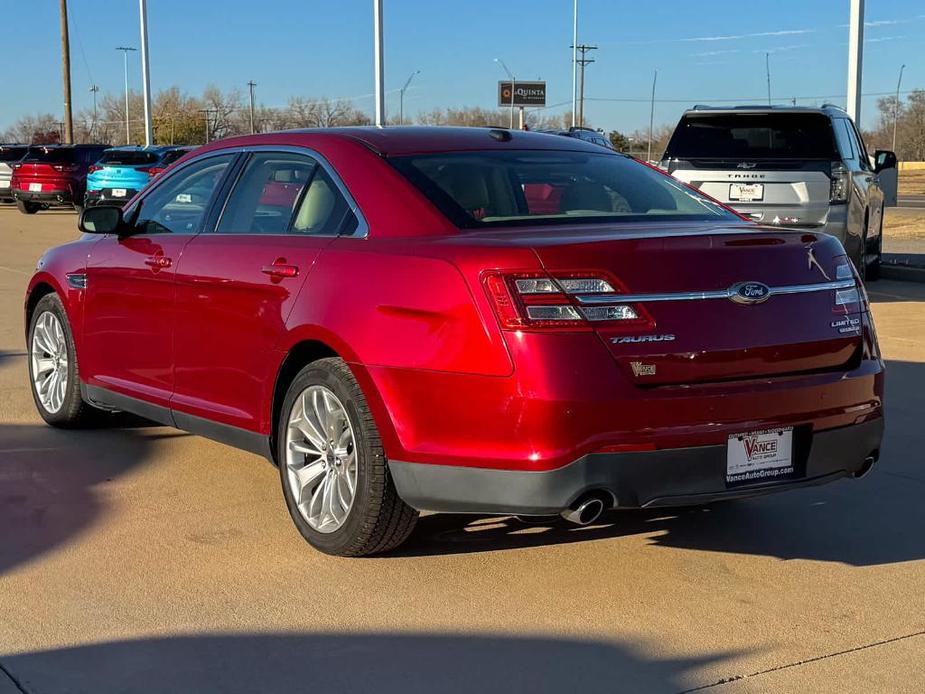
(803, 168)
(9, 155)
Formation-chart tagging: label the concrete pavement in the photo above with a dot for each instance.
(141, 559)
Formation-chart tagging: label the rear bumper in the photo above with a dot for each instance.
(104, 196)
(55, 197)
(831, 219)
(673, 477)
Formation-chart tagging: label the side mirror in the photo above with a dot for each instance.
(104, 219)
(884, 159)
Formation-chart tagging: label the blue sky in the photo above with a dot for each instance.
(704, 51)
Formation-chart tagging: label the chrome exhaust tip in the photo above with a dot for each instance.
(585, 512)
(866, 467)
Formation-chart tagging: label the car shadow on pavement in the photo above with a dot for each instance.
(874, 520)
(50, 480)
(340, 663)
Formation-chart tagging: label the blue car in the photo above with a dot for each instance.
(123, 171)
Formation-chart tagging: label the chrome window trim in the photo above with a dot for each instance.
(591, 300)
(362, 230)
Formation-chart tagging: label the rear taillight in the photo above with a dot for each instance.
(94, 167)
(841, 180)
(536, 300)
(850, 299)
(154, 170)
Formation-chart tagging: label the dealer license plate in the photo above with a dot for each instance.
(118, 192)
(759, 456)
(746, 192)
(35, 187)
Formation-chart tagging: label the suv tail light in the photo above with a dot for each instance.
(841, 180)
(153, 170)
(536, 300)
(94, 167)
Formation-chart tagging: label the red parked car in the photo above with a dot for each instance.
(53, 175)
(461, 320)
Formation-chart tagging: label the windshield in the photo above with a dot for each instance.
(488, 189)
(127, 157)
(12, 153)
(753, 136)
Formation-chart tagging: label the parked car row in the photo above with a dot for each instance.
(474, 320)
(37, 177)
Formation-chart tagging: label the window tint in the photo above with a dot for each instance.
(12, 153)
(844, 137)
(127, 157)
(753, 136)
(859, 144)
(476, 189)
(171, 156)
(281, 193)
(56, 155)
(178, 204)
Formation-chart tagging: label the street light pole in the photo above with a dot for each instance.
(66, 69)
(401, 98)
(513, 87)
(855, 59)
(251, 85)
(379, 67)
(767, 70)
(125, 51)
(146, 73)
(574, 61)
(652, 116)
(94, 89)
(896, 105)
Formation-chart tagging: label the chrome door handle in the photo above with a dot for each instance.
(158, 262)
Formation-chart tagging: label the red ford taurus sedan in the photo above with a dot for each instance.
(461, 320)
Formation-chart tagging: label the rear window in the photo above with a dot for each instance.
(753, 136)
(116, 157)
(171, 156)
(55, 155)
(12, 153)
(511, 188)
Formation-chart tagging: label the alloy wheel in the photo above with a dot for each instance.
(49, 361)
(321, 458)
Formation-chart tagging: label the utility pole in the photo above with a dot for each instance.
(574, 61)
(652, 116)
(581, 62)
(146, 72)
(855, 59)
(250, 86)
(379, 65)
(94, 90)
(767, 70)
(66, 68)
(896, 106)
(206, 112)
(401, 98)
(125, 51)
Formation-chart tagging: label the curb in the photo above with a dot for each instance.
(903, 273)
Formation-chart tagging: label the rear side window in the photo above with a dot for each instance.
(753, 136)
(511, 188)
(116, 157)
(281, 193)
(171, 156)
(8, 154)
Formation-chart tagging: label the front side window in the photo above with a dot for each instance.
(179, 204)
(283, 193)
(511, 188)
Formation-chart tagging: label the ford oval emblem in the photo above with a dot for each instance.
(749, 293)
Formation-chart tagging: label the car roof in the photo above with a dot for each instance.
(153, 148)
(825, 109)
(401, 140)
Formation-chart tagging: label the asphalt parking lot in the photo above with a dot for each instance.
(139, 559)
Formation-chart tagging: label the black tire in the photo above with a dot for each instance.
(378, 519)
(27, 207)
(74, 412)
